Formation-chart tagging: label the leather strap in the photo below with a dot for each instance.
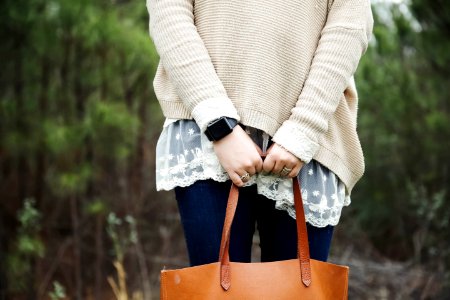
(224, 256)
(302, 236)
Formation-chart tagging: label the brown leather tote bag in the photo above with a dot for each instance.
(301, 278)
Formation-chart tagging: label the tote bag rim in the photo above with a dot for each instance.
(253, 263)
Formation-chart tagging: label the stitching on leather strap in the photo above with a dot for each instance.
(302, 237)
(224, 258)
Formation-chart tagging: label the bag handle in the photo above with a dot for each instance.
(302, 237)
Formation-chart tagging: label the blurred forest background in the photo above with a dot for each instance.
(79, 214)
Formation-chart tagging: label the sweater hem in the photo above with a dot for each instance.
(335, 163)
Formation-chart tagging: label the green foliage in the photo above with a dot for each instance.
(29, 243)
(63, 138)
(58, 292)
(76, 104)
(27, 246)
(122, 232)
(71, 181)
(112, 123)
(403, 200)
(96, 207)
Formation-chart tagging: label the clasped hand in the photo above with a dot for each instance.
(238, 155)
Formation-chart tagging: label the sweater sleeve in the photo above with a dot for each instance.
(187, 62)
(344, 39)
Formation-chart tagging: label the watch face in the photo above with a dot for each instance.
(220, 129)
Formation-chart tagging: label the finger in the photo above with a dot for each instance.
(268, 164)
(285, 171)
(259, 165)
(236, 179)
(295, 170)
(278, 166)
(242, 172)
(251, 169)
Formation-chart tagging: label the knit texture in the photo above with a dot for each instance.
(285, 67)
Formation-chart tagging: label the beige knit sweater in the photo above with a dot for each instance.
(283, 66)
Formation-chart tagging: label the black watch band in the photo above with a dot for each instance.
(220, 128)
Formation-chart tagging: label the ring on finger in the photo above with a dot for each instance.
(285, 171)
(245, 177)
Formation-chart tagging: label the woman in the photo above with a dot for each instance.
(237, 78)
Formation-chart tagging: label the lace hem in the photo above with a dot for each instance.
(287, 204)
(184, 156)
(167, 185)
(283, 199)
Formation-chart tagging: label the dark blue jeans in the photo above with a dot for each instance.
(202, 208)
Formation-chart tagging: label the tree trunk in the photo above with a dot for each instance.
(76, 246)
(98, 255)
(75, 199)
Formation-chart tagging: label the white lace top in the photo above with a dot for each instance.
(184, 155)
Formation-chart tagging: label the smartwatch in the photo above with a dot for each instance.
(220, 128)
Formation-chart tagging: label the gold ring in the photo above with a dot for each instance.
(285, 171)
(245, 177)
